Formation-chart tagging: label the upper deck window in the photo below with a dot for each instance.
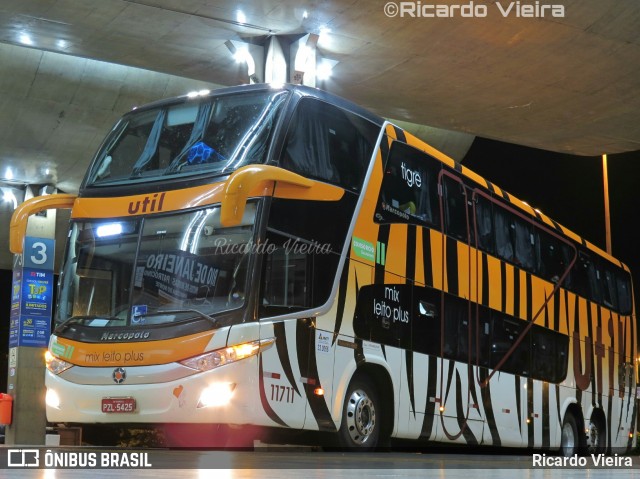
(211, 135)
(329, 144)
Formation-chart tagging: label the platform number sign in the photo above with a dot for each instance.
(38, 253)
(32, 294)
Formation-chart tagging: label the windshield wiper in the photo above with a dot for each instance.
(78, 319)
(163, 312)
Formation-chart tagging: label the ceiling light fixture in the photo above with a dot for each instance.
(26, 39)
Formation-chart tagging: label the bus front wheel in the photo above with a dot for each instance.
(361, 421)
(570, 442)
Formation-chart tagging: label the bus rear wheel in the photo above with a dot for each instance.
(361, 421)
(596, 436)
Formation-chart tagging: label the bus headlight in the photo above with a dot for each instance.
(54, 364)
(52, 399)
(216, 395)
(220, 357)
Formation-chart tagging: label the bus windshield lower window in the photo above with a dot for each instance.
(155, 270)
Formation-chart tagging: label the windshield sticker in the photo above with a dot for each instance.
(137, 313)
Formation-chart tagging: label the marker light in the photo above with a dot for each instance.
(217, 394)
(220, 357)
(52, 399)
(110, 229)
(55, 365)
(318, 392)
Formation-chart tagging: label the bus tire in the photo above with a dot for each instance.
(570, 440)
(597, 435)
(361, 419)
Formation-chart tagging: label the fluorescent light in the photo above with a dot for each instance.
(241, 17)
(26, 39)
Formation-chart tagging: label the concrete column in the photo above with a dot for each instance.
(26, 364)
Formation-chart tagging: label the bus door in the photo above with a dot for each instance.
(460, 408)
(284, 368)
(282, 392)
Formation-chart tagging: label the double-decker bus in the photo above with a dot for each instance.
(282, 258)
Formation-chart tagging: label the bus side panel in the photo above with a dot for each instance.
(282, 393)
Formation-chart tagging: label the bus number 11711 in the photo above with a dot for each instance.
(282, 393)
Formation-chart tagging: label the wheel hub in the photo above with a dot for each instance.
(361, 417)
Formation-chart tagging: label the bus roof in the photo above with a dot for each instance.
(300, 90)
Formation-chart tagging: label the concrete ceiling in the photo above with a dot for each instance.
(566, 84)
(70, 68)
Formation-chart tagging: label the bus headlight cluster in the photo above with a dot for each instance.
(220, 357)
(54, 364)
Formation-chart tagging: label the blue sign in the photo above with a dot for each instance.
(32, 295)
(39, 253)
(37, 292)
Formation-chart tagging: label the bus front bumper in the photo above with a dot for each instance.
(223, 395)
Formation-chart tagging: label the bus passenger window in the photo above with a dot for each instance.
(455, 211)
(328, 143)
(585, 281)
(504, 243)
(549, 354)
(484, 337)
(552, 262)
(624, 293)
(525, 256)
(425, 326)
(505, 333)
(610, 295)
(409, 188)
(484, 223)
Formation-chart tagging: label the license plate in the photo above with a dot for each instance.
(111, 405)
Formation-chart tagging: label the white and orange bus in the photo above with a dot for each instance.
(281, 258)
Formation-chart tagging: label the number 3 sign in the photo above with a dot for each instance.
(39, 253)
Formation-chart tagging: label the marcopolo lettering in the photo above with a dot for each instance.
(125, 336)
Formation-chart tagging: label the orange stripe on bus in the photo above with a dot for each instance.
(135, 353)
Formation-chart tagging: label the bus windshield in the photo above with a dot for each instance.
(155, 270)
(200, 135)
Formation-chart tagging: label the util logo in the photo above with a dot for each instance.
(149, 204)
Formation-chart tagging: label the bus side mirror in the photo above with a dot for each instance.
(254, 180)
